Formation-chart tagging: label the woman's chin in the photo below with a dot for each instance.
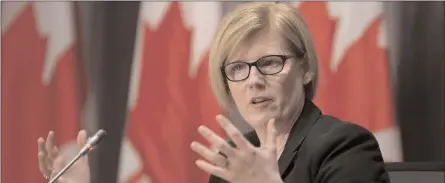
(259, 121)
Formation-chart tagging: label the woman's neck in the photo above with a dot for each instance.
(283, 128)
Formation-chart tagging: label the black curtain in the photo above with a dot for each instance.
(109, 40)
(118, 38)
(420, 73)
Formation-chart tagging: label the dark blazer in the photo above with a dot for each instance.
(324, 149)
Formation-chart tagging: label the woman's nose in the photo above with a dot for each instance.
(256, 79)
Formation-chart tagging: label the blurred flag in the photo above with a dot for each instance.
(354, 80)
(170, 95)
(42, 88)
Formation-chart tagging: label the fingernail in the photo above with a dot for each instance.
(198, 163)
(200, 128)
(220, 118)
(194, 146)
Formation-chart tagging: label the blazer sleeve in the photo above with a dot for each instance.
(351, 155)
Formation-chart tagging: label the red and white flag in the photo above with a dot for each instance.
(170, 94)
(42, 88)
(354, 78)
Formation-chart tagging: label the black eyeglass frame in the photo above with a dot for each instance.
(284, 58)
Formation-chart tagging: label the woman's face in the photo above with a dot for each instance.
(262, 97)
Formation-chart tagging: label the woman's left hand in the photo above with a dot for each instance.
(244, 163)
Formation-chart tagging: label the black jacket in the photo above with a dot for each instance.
(324, 149)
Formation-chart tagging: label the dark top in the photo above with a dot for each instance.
(324, 149)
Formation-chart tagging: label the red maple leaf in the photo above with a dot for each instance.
(359, 91)
(170, 105)
(29, 107)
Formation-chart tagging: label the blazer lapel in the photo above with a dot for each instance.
(298, 133)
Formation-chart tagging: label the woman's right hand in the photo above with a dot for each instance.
(51, 161)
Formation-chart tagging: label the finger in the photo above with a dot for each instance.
(55, 151)
(208, 154)
(50, 145)
(271, 136)
(41, 145)
(216, 141)
(82, 138)
(234, 134)
(215, 150)
(42, 156)
(212, 169)
(42, 165)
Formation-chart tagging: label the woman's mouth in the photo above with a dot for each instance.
(260, 101)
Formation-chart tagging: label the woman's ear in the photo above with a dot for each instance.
(307, 78)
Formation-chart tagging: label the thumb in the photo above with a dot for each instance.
(82, 138)
(271, 136)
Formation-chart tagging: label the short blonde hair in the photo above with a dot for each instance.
(240, 23)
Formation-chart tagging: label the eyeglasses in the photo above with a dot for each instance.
(267, 65)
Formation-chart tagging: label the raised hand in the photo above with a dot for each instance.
(51, 161)
(243, 164)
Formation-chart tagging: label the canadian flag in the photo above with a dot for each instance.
(42, 87)
(354, 78)
(170, 95)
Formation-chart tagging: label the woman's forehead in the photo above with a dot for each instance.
(259, 45)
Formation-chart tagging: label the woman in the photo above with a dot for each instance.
(263, 64)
